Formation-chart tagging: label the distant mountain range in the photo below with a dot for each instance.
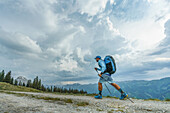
(140, 89)
(22, 79)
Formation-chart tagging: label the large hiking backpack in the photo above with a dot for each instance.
(110, 64)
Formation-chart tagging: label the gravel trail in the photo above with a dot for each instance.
(12, 103)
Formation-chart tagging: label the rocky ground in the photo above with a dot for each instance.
(26, 102)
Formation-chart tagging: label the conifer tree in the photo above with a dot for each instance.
(20, 83)
(8, 77)
(55, 89)
(2, 76)
(35, 83)
(29, 84)
(75, 91)
(48, 89)
(23, 84)
(43, 88)
(16, 82)
(39, 84)
(51, 90)
(12, 81)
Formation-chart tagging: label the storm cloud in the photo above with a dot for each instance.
(58, 40)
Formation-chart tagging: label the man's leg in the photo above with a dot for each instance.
(123, 94)
(100, 88)
(99, 96)
(117, 87)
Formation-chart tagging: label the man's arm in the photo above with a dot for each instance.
(103, 67)
(99, 69)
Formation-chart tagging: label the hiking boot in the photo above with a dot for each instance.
(123, 96)
(98, 96)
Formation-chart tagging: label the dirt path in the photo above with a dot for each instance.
(17, 103)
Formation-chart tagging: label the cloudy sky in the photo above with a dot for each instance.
(57, 40)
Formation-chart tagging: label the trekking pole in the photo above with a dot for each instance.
(105, 84)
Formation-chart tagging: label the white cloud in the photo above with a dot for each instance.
(82, 29)
(111, 28)
(112, 2)
(63, 36)
(29, 15)
(154, 1)
(146, 34)
(156, 74)
(162, 59)
(67, 64)
(81, 54)
(92, 7)
(19, 42)
(148, 31)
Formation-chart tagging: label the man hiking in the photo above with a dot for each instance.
(105, 76)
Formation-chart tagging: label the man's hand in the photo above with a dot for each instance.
(100, 75)
(95, 68)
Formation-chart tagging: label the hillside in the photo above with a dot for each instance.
(21, 102)
(140, 89)
(7, 86)
(19, 99)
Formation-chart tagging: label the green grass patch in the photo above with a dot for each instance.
(45, 98)
(153, 99)
(53, 99)
(93, 94)
(98, 109)
(116, 97)
(167, 99)
(111, 97)
(120, 110)
(78, 109)
(82, 103)
(68, 100)
(109, 111)
(7, 86)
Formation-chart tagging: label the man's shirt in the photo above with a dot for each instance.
(102, 66)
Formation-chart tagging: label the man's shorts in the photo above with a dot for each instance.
(106, 78)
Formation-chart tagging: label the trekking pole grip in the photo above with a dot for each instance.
(98, 74)
(97, 71)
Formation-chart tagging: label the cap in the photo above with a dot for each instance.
(98, 57)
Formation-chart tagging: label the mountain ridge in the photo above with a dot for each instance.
(141, 89)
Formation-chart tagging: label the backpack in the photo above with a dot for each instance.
(110, 64)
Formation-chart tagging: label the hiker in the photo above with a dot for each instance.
(105, 76)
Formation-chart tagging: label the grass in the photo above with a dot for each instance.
(167, 99)
(98, 109)
(118, 110)
(68, 100)
(112, 97)
(152, 99)
(48, 98)
(82, 103)
(93, 94)
(78, 109)
(7, 86)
